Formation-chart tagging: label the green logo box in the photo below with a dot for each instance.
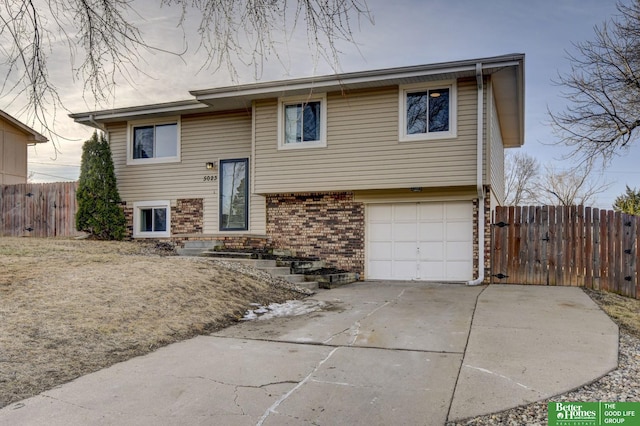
(593, 413)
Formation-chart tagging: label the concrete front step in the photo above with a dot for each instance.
(255, 263)
(228, 255)
(277, 270)
(294, 278)
(195, 248)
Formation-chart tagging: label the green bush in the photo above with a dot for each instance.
(99, 212)
(629, 202)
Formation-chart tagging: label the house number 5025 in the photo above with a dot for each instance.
(210, 178)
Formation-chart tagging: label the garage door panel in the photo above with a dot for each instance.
(431, 211)
(404, 232)
(380, 269)
(380, 212)
(432, 231)
(459, 210)
(432, 271)
(460, 271)
(459, 231)
(380, 251)
(381, 231)
(432, 251)
(457, 251)
(405, 213)
(404, 270)
(405, 251)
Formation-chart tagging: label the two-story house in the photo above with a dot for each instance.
(391, 173)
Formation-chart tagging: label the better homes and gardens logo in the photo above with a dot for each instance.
(593, 413)
(573, 413)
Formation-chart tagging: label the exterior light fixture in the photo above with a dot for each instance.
(416, 189)
(210, 166)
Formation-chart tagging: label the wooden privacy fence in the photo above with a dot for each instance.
(38, 210)
(568, 246)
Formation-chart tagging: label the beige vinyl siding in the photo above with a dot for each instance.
(13, 154)
(496, 154)
(204, 138)
(363, 148)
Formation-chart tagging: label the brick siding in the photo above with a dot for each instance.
(328, 225)
(187, 217)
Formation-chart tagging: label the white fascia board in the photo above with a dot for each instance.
(134, 112)
(345, 80)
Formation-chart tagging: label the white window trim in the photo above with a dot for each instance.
(136, 219)
(134, 161)
(453, 113)
(322, 143)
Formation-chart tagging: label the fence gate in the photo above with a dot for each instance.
(38, 210)
(569, 246)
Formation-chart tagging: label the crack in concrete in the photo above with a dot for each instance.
(284, 397)
(355, 328)
(484, 370)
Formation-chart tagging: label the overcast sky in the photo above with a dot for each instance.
(403, 33)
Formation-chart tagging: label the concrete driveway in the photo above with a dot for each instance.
(379, 353)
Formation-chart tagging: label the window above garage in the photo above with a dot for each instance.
(428, 111)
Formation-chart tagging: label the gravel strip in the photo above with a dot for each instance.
(622, 384)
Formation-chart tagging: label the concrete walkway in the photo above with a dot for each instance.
(379, 354)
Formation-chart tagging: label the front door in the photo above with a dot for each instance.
(234, 195)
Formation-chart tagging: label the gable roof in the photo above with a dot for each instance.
(507, 73)
(34, 137)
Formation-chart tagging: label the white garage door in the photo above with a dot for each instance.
(420, 241)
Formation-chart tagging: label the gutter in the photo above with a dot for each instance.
(479, 176)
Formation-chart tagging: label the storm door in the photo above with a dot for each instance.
(234, 195)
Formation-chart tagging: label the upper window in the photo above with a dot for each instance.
(154, 142)
(428, 111)
(302, 122)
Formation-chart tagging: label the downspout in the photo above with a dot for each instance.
(479, 176)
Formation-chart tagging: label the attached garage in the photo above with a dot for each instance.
(430, 241)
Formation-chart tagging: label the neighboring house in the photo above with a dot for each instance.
(384, 172)
(15, 137)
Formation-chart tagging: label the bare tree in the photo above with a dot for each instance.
(105, 44)
(575, 186)
(603, 89)
(521, 178)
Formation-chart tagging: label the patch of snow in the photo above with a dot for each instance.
(290, 308)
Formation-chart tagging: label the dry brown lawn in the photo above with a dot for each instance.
(70, 307)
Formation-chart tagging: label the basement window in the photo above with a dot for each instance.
(302, 122)
(151, 219)
(428, 111)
